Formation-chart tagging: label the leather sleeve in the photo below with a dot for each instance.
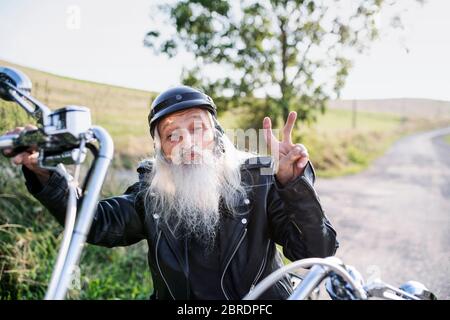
(116, 221)
(297, 221)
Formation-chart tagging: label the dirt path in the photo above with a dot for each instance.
(393, 220)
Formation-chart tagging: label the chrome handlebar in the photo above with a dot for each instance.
(343, 282)
(62, 138)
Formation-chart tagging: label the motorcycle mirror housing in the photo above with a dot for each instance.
(16, 78)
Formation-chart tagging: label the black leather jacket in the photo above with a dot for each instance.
(290, 216)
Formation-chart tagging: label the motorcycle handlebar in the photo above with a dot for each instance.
(62, 138)
(20, 142)
(7, 141)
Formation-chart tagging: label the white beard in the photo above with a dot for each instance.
(187, 196)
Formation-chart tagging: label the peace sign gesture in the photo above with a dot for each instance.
(292, 158)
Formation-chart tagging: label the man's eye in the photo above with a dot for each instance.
(169, 136)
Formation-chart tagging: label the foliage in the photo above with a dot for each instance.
(294, 53)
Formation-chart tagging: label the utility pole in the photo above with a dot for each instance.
(47, 92)
(354, 106)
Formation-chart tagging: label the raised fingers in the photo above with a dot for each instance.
(287, 130)
(268, 133)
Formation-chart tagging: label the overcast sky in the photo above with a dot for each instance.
(103, 43)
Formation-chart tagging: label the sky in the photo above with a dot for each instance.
(102, 41)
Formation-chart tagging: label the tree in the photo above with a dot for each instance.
(291, 54)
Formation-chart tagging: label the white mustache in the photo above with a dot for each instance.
(191, 155)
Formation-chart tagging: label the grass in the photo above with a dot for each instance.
(337, 147)
(336, 120)
(338, 150)
(30, 237)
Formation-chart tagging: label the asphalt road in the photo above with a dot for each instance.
(393, 220)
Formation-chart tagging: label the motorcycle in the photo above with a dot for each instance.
(64, 136)
(342, 282)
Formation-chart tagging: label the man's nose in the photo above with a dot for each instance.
(186, 139)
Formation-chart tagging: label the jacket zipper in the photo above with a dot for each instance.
(228, 263)
(261, 269)
(159, 268)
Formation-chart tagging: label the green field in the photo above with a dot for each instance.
(29, 236)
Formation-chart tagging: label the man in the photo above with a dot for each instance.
(211, 214)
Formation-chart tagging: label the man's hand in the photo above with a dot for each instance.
(29, 158)
(292, 158)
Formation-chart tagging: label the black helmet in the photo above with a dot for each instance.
(176, 99)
